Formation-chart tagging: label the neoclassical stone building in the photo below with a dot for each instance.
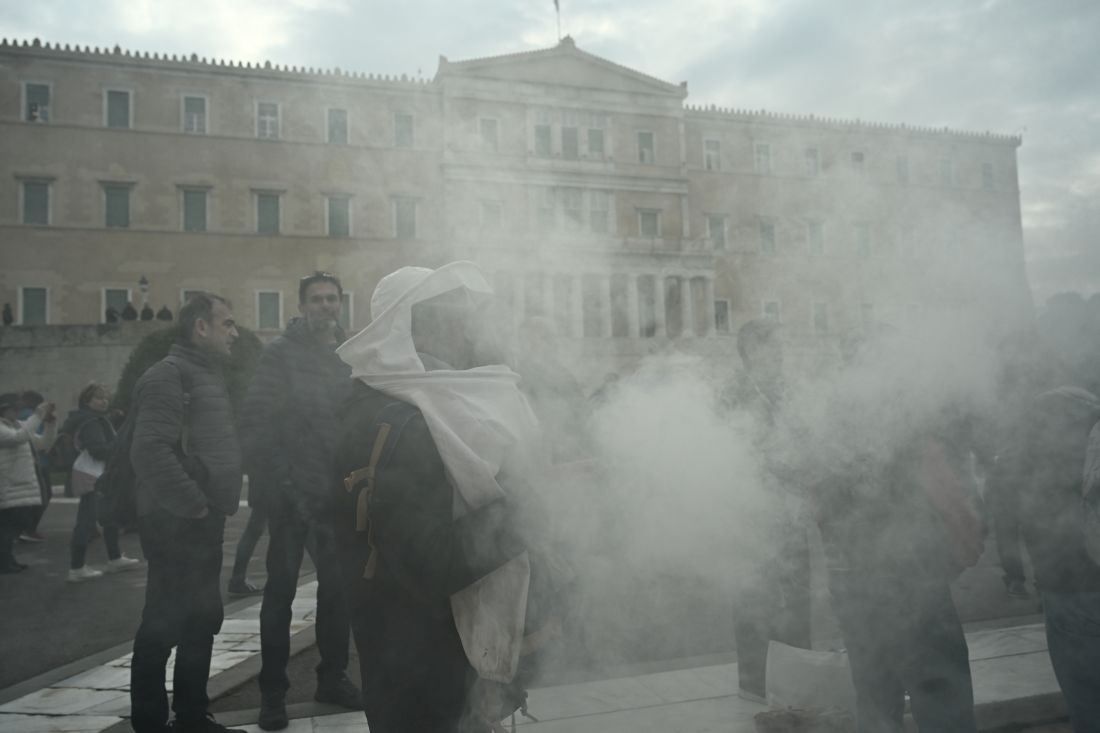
(591, 193)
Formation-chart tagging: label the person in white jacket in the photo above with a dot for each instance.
(19, 490)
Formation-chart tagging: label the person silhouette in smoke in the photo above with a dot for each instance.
(146, 312)
(774, 604)
(8, 317)
(129, 312)
(164, 314)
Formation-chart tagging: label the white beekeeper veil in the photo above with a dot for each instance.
(484, 430)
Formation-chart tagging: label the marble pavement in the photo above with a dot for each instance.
(1013, 682)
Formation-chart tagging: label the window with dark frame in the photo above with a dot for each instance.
(712, 155)
(646, 148)
(268, 305)
(543, 147)
(267, 213)
(118, 108)
(339, 216)
(649, 223)
(194, 210)
(194, 115)
(37, 101)
(34, 307)
(36, 202)
(599, 212)
(267, 120)
(116, 205)
(337, 124)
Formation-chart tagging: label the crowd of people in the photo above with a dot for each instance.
(408, 461)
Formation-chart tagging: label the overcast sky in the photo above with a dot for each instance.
(1010, 66)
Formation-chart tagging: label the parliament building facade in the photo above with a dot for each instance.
(591, 194)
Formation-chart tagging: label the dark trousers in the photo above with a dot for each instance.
(904, 635)
(246, 545)
(290, 533)
(1004, 505)
(183, 609)
(84, 532)
(12, 522)
(774, 603)
(1073, 639)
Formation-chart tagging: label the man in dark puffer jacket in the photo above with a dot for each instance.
(187, 464)
(289, 432)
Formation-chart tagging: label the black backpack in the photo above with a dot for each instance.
(117, 485)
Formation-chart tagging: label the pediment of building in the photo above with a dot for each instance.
(563, 65)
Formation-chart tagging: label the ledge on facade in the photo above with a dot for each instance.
(762, 115)
(116, 54)
(122, 333)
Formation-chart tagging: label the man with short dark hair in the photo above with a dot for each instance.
(289, 430)
(187, 466)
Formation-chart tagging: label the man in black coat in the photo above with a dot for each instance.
(187, 466)
(289, 430)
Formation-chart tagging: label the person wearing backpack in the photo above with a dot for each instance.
(187, 469)
(438, 448)
(288, 431)
(93, 436)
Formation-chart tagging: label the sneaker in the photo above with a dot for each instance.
(272, 713)
(339, 691)
(29, 535)
(243, 588)
(77, 575)
(122, 563)
(204, 725)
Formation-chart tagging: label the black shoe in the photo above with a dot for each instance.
(204, 725)
(273, 713)
(243, 588)
(339, 691)
(11, 567)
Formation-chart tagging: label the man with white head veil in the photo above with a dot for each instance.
(437, 448)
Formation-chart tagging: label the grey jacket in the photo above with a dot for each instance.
(210, 474)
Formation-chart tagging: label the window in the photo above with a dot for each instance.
(194, 210)
(117, 108)
(595, 142)
(116, 197)
(867, 316)
(863, 239)
(346, 311)
(716, 230)
(338, 215)
(572, 200)
(857, 162)
(987, 176)
(36, 102)
(812, 159)
(649, 223)
(402, 130)
(546, 209)
(488, 128)
(267, 120)
(337, 125)
(599, 211)
(36, 202)
(712, 155)
(815, 238)
(404, 218)
(194, 114)
(762, 158)
(491, 216)
(903, 170)
(116, 299)
(34, 306)
(269, 310)
(543, 147)
(722, 316)
(821, 318)
(267, 212)
(646, 152)
(947, 172)
(570, 143)
(767, 237)
(770, 310)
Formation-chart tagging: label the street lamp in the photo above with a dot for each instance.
(143, 285)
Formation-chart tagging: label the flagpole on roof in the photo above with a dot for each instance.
(557, 10)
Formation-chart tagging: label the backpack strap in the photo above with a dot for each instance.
(389, 424)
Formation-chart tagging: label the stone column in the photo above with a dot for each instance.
(608, 320)
(687, 307)
(659, 304)
(632, 320)
(708, 306)
(577, 306)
